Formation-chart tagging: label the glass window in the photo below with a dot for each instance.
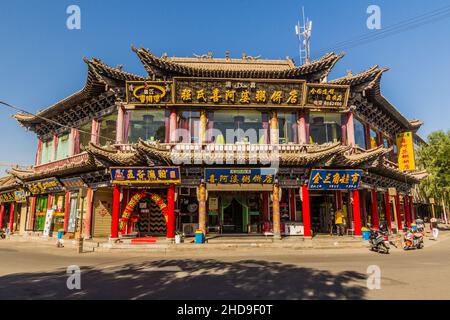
(108, 129)
(386, 142)
(63, 147)
(360, 137)
(288, 128)
(84, 133)
(188, 127)
(149, 125)
(238, 126)
(325, 127)
(373, 139)
(47, 150)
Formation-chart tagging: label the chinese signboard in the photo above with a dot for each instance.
(146, 93)
(240, 176)
(73, 183)
(241, 92)
(405, 151)
(45, 186)
(327, 96)
(146, 175)
(7, 197)
(20, 196)
(335, 179)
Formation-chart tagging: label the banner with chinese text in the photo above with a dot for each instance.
(153, 175)
(405, 151)
(49, 185)
(240, 176)
(335, 179)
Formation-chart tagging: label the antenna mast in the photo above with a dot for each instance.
(304, 35)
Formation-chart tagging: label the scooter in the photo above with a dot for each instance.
(379, 241)
(2, 234)
(412, 240)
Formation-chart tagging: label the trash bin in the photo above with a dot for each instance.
(199, 237)
(366, 235)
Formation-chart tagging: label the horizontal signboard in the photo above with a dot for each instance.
(327, 96)
(73, 183)
(149, 92)
(240, 176)
(49, 185)
(335, 179)
(7, 197)
(153, 175)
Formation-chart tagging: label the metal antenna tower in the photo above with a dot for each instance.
(303, 33)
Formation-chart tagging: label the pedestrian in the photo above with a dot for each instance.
(339, 221)
(434, 228)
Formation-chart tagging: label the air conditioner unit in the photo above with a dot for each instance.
(190, 228)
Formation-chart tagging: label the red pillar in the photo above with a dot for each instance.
(49, 201)
(356, 214)
(338, 195)
(406, 210)
(32, 212)
(66, 211)
(171, 212)
(115, 212)
(388, 210)
(292, 203)
(306, 211)
(88, 219)
(11, 217)
(411, 208)
(265, 206)
(399, 214)
(2, 212)
(375, 216)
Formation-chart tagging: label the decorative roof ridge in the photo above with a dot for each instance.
(371, 75)
(100, 68)
(413, 125)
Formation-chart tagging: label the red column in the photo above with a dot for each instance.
(338, 195)
(32, 212)
(66, 211)
(265, 206)
(115, 212)
(350, 130)
(374, 204)
(356, 214)
(306, 211)
(2, 212)
(88, 219)
(173, 126)
(39, 152)
(49, 201)
(399, 214)
(292, 203)
(171, 212)
(388, 210)
(119, 124)
(406, 210)
(411, 207)
(11, 217)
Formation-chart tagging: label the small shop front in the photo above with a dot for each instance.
(47, 210)
(11, 203)
(148, 196)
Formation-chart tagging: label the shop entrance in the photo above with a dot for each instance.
(233, 217)
(322, 213)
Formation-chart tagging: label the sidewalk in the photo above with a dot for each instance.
(221, 243)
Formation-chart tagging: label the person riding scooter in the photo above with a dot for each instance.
(379, 239)
(412, 240)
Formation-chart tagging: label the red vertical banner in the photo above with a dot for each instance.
(387, 204)
(357, 213)
(306, 212)
(171, 212)
(374, 207)
(407, 211)
(115, 213)
(66, 211)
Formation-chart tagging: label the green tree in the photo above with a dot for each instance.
(435, 158)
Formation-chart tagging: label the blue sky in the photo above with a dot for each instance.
(41, 60)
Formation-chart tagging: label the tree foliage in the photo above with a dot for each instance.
(435, 158)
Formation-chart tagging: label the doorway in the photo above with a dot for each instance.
(322, 213)
(233, 217)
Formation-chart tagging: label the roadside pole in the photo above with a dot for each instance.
(81, 201)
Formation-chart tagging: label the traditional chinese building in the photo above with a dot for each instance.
(237, 146)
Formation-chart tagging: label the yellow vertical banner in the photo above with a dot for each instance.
(405, 151)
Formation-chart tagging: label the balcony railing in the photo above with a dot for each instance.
(73, 160)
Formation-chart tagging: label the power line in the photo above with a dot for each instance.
(50, 120)
(406, 25)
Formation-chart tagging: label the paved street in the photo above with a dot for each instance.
(38, 271)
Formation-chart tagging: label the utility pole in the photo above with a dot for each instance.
(81, 201)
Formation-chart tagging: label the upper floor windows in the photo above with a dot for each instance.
(63, 147)
(325, 127)
(288, 127)
(46, 151)
(360, 135)
(149, 125)
(107, 129)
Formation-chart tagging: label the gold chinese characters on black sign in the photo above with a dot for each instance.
(236, 92)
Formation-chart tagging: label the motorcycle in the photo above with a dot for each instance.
(379, 241)
(2, 234)
(412, 240)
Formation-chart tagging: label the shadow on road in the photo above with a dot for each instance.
(189, 279)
